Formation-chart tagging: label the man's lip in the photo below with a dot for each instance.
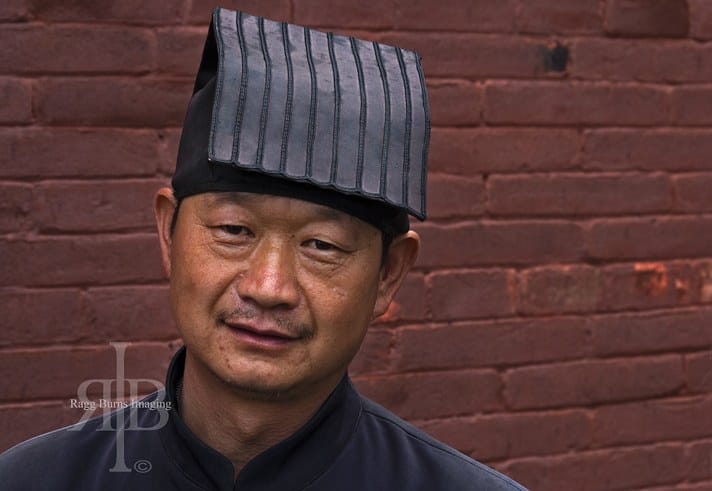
(267, 331)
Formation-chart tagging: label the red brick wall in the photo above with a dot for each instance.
(559, 322)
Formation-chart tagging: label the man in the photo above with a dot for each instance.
(284, 235)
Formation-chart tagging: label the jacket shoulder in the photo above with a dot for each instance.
(70, 457)
(435, 464)
(51, 456)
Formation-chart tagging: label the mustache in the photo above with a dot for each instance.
(245, 313)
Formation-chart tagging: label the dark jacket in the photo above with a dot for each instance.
(351, 443)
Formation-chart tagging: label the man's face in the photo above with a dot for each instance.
(273, 294)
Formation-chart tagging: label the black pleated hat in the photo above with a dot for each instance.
(282, 109)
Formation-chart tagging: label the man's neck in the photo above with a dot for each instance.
(237, 425)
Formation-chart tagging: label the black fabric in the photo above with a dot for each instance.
(329, 111)
(350, 444)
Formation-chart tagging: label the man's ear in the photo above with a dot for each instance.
(164, 206)
(400, 258)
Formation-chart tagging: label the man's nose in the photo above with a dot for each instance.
(270, 279)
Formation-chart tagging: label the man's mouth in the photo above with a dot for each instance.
(261, 336)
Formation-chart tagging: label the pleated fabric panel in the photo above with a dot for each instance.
(335, 111)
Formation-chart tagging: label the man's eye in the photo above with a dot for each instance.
(233, 229)
(321, 245)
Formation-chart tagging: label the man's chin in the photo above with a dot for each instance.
(258, 383)
(262, 390)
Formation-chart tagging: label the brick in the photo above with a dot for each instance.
(554, 16)
(692, 192)
(107, 11)
(699, 455)
(14, 10)
(435, 395)
(490, 343)
(649, 238)
(648, 285)
(655, 18)
(699, 369)
(652, 421)
(455, 196)
(113, 102)
(103, 260)
(559, 289)
(41, 365)
(61, 49)
(17, 101)
(409, 302)
(592, 382)
(691, 105)
(475, 15)
(179, 50)
(475, 56)
(472, 294)
(35, 373)
(101, 206)
(645, 61)
(698, 486)
(645, 285)
(470, 151)
(657, 150)
(455, 103)
(602, 470)
(41, 317)
(651, 332)
(574, 103)
(129, 313)
(700, 19)
(54, 152)
(345, 13)
(19, 422)
(200, 10)
(374, 354)
(491, 243)
(500, 436)
(16, 206)
(576, 194)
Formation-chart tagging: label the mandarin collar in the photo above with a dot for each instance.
(292, 463)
